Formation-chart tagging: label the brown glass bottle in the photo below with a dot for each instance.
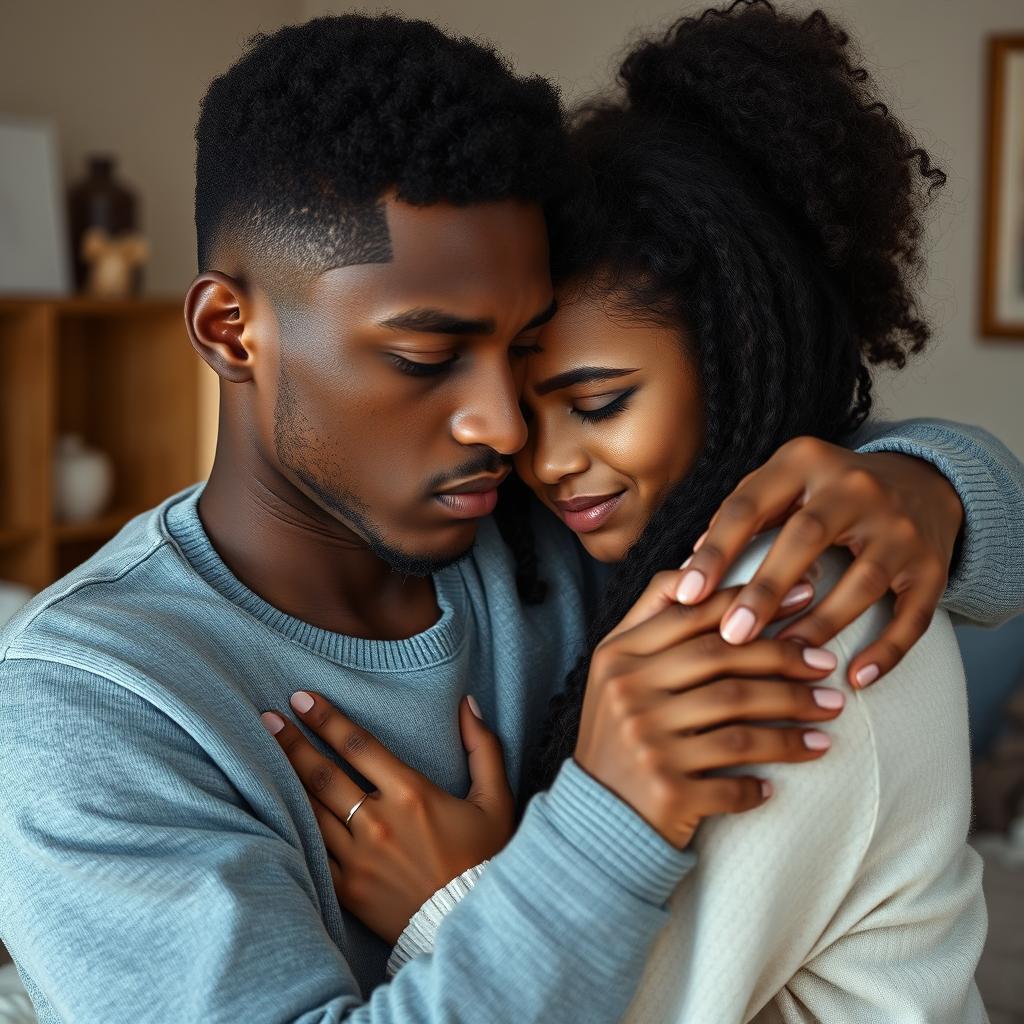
(99, 200)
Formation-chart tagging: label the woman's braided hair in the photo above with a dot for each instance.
(748, 189)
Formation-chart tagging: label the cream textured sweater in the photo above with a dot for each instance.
(851, 895)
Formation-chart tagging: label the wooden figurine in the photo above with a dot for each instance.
(111, 261)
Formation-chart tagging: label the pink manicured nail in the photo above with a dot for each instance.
(301, 701)
(271, 722)
(687, 562)
(690, 587)
(800, 593)
(818, 657)
(815, 740)
(867, 675)
(766, 789)
(826, 698)
(738, 626)
(473, 706)
(700, 540)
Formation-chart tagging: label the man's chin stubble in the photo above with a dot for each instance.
(416, 565)
(354, 515)
(294, 443)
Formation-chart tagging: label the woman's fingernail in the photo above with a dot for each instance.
(700, 540)
(301, 701)
(690, 587)
(818, 657)
(766, 789)
(473, 706)
(271, 722)
(867, 675)
(800, 593)
(738, 626)
(826, 698)
(687, 562)
(815, 740)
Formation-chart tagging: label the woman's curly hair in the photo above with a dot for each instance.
(748, 189)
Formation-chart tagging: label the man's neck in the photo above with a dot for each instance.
(299, 559)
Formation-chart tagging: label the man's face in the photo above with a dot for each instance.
(396, 403)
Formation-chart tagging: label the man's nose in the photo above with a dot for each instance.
(490, 415)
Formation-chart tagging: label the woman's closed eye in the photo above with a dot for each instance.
(594, 408)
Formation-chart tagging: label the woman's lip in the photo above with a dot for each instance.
(593, 516)
(472, 505)
(584, 501)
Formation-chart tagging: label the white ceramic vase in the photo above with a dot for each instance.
(83, 480)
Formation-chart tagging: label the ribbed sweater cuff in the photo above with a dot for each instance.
(418, 935)
(990, 539)
(613, 836)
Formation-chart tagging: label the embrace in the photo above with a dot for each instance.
(557, 638)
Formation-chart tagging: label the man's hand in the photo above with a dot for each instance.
(898, 515)
(408, 838)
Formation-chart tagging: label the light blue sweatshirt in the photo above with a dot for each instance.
(158, 857)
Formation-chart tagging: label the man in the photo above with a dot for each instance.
(372, 254)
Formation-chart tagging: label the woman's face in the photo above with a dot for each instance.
(615, 417)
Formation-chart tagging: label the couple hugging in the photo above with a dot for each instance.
(554, 639)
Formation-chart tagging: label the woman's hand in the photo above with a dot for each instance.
(408, 838)
(898, 515)
(668, 700)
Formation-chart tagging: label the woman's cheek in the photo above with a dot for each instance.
(655, 446)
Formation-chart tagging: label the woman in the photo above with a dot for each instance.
(740, 247)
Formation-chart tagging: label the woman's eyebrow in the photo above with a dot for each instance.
(581, 375)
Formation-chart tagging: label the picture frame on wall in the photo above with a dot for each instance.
(34, 257)
(1002, 293)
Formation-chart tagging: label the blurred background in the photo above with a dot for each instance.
(104, 410)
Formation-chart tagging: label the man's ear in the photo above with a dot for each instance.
(216, 311)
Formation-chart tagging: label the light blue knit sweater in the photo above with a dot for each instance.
(158, 857)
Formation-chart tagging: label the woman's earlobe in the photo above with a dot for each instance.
(215, 316)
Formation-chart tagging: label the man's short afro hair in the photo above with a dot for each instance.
(297, 142)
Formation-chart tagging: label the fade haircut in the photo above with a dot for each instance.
(298, 142)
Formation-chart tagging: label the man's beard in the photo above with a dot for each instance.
(348, 508)
(298, 449)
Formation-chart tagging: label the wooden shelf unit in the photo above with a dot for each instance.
(122, 374)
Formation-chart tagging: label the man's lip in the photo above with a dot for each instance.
(468, 505)
(585, 501)
(477, 485)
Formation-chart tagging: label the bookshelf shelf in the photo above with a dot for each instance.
(122, 374)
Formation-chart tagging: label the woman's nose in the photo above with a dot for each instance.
(556, 457)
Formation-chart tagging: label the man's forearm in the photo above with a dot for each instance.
(986, 584)
(559, 926)
(136, 882)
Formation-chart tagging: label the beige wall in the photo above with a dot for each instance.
(127, 76)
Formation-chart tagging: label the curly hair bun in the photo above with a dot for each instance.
(787, 97)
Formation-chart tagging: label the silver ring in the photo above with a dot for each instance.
(355, 807)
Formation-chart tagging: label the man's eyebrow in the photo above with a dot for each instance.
(542, 317)
(581, 375)
(437, 321)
